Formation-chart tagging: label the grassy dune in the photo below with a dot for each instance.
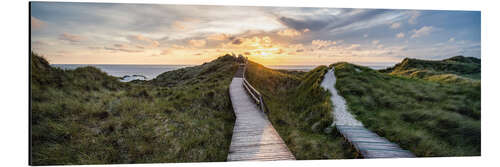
(84, 116)
(457, 70)
(427, 117)
(300, 111)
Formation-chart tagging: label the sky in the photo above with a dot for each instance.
(106, 33)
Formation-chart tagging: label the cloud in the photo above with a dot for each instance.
(289, 33)
(237, 41)
(41, 43)
(413, 18)
(184, 24)
(375, 42)
(353, 47)
(323, 43)
(298, 24)
(94, 47)
(425, 30)
(400, 35)
(395, 25)
(218, 37)
(451, 40)
(197, 43)
(71, 37)
(122, 49)
(214, 28)
(36, 23)
(165, 52)
(259, 46)
(178, 25)
(361, 19)
(142, 41)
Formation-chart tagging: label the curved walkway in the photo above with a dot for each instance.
(367, 143)
(254, 138)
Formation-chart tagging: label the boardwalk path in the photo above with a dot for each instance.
(254, 138)
(367, 143)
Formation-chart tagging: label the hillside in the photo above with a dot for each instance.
(299, 110)
(458, 69)
(426, 117)
(84, 116)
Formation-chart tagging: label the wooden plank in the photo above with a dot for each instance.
(371, 145)
(254, 137)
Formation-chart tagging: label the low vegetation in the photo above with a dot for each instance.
(458, 70)
(300, 110)
(428, 117)
(84, 116)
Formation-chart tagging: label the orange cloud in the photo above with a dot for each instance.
(71, 37)
(197, 43)
(165, 52)
(289, 33)
(36, 23)
(218, 37)
(143, 41)
(178, 25)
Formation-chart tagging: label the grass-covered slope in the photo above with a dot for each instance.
(458, 69)
(84, 116)
(299, 109)
(426, 117)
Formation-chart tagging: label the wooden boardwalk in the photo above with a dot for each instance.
(254, 138)
(370, 145)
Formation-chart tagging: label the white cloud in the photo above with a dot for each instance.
(366, 35)
(323, 43)
(395, 25)
(375, 42)
(353, 46)
(425, 30)
(413, 18)
(451, 40)
(218, 37)
(400, 35)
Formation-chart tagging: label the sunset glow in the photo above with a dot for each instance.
(87, 33)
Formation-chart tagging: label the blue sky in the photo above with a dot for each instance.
(99, 33)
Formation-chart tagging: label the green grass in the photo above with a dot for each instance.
(84, 116)
(299, 110)
(426, 117)
(457, 70)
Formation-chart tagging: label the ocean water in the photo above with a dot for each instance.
(148, 72)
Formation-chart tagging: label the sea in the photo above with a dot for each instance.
(131, 72)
